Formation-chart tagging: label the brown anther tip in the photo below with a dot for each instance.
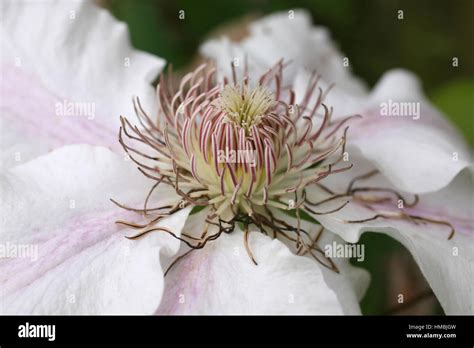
(451, 235)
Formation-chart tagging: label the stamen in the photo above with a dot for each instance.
(235, 148)
(247, 247)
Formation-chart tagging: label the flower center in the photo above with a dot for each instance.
(244, 106)
(248, 155)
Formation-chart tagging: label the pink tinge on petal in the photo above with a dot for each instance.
(189, 275)
(418, 156)
(461, 225)
(373, 122)
(32, 110)
(60, 246)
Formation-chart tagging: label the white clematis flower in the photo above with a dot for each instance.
(421, 155)
(58, 203)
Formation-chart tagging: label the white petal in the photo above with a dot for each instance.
(56, 58)
(221, 279)
(343, 103)
(448, 265)
(57, 207)
(416, 155)
(351, 283)
(291, 36)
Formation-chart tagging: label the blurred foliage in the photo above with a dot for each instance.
(378, 249)
(456, 99)
(367, 31)
(380, 253)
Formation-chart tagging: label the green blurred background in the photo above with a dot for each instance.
(367, 31)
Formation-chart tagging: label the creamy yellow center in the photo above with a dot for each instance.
(244, 106)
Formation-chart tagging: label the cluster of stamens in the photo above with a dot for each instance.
(244, 149)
